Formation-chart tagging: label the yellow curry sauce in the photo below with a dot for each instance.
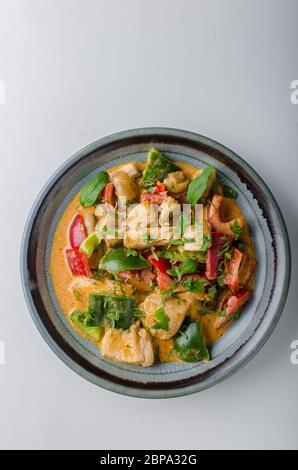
(62, 276)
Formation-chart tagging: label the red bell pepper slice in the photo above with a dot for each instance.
(215, 254)
(161, 264)
(232, 304)
(78, 262)
(77, 231)
(164, 280)
(108, 193)
(160, 187)
(240, 270)
(154, 198)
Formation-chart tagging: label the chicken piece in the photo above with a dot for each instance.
(142, 216)
(125, 186)
(175, 309)
(131, 346)
(195, 302)
(145, 238)
(195, 241)
(107, 223)
(170, 211)
(141, 279)
(176, 182)
(88, 218)
(240, 270)
(215, 217)
(200, 232)
(131, 170)
(82, 287)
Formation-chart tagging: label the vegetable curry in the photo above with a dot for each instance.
(153, 262)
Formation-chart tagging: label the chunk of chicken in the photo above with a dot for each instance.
(131, 170)
(176, 182)
(88, 218)
(107, 223)
(175, 309)
(145, 238)
(142, 215)
(131, 346)
(82, 287)
(125, 186)
(170, 211)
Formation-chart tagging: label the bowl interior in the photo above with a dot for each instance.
(243, 338)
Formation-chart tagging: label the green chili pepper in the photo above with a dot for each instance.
(119, 259)
(86, 322)
(190, 343)
(90, 244)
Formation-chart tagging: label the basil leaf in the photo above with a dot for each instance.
(188, 266)
(162, 320)
(228, 191)
(91, 190)
(119, 259)
(199, 187)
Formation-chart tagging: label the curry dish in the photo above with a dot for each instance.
(153, 262)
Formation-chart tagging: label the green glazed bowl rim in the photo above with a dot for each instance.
(255, 342)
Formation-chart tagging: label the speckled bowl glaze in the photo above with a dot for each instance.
(245, 337)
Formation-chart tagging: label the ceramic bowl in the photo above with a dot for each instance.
(245, 337)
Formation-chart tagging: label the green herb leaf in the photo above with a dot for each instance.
(154, 255)
(162, 320)
(212, 291)
(188, 266)
(236, 229)
(91, 190)
(196, 286)
(220, 280)
(199, 186)
(228, 191)
(221, 313)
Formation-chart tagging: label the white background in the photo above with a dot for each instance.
(77, 70)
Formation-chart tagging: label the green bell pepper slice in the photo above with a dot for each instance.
(157, 169)
(86, 322)
(190, 343)
(120, 259)
(91, 242)
(119, 311)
